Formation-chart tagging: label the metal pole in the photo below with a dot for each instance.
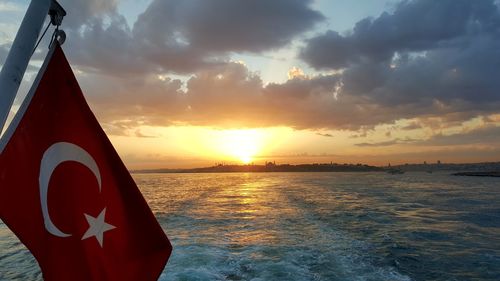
(20, 54)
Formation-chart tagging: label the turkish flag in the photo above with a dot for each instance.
(67, 195)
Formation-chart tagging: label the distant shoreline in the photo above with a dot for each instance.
(269, 168)
(464, 169)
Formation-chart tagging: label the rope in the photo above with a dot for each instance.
(53, 36)
(39, 40)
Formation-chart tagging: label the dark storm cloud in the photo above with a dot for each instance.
(414, 26)
(428, 58)
(225, 25)
(108, 48)
(183, 36)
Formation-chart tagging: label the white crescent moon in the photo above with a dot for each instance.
(56, 154)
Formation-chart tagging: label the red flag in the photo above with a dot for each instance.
(67, 195)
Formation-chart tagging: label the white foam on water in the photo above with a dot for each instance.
(331, 262)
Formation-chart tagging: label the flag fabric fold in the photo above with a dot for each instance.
(65, 192)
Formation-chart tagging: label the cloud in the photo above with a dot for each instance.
(227, 95)
(9, 7)
(386, 143)
(107, 48)
(80, 12)
(486, 135)
(183, 36)
(428, 58)
(230, 96)
(296, 72)
(123, 104)
(412, 126)
(325, 135)
(483, 135)
(225, 25)
(391, 68)
(377, 144)
(414, 26)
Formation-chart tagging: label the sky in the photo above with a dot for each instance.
(191, 83)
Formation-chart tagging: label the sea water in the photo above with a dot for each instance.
(315, 226)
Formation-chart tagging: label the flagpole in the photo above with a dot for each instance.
(19, 55)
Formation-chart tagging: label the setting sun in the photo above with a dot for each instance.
(240, 145)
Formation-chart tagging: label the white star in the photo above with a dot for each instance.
(97, 227)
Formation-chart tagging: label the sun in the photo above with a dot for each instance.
(241, 145)
(246, 159)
